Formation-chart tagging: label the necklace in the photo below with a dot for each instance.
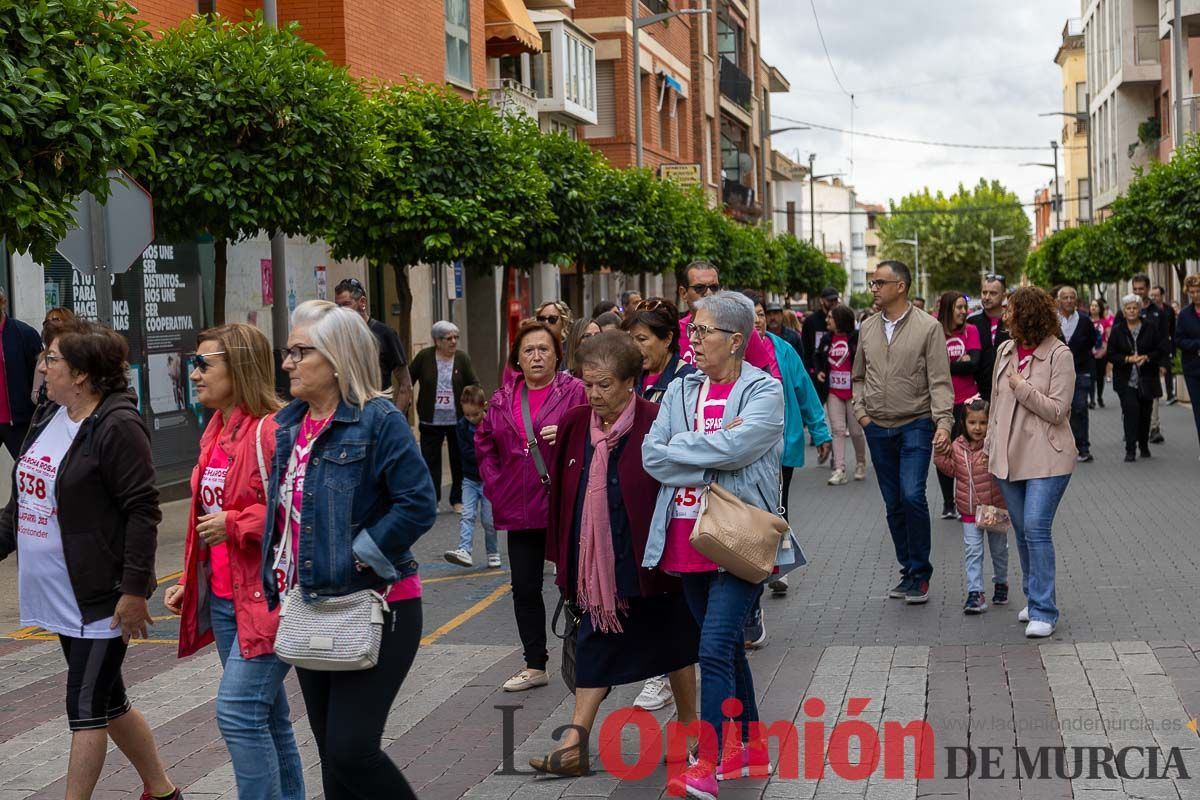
(311, 428)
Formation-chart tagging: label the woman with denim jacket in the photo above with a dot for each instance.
(723, 423)
(350, 482)
(219, 596)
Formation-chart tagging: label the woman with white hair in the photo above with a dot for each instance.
(1135, 351)
(443, 371)
(722, 423)
(347, 490)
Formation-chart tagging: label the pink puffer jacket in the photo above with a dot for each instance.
(967, 463)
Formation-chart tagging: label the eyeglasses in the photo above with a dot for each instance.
(296, 352)
(992, 276)
(549, 319)
(200, 360)
(450, 337)
(878, 284)
(49, 358)
(705, 288)
(695, 331)
(652, 304)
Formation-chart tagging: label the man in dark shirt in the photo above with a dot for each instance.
(1151, 313)
(815, 328)
(393, 363)
(19, 351)
(775, 325)
(992, 333)
(1158, 296)
(1079, 334)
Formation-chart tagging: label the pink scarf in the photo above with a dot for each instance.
(596, 587)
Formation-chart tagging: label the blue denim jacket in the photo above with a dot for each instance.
(745, 460)
(367, 498)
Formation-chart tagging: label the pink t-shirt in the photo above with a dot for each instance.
(760, 352)
(650, 380)
(995, 327)
(212, 500)
(537, 399)
(406, 589)
(958, 343)
(840, 363)
(1023, 356)
(678, 553)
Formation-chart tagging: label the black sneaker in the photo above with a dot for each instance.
(755, 632)
(898, 591)
(976, 604)
(1000, 595)
(1091, 403)
(918, 592)
(1130, 457)
(1156, 437)
(1100, 402)
(1146, 451)
(1172, 401)
(948, 512)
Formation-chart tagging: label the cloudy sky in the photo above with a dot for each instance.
(964, 71)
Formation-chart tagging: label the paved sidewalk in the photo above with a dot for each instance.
(1122, 671)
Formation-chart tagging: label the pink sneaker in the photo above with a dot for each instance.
(748, 761)
(698, 781)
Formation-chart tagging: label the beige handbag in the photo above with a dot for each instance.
(734, 535)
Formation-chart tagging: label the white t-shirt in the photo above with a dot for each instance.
(443, 401)
(47, 599)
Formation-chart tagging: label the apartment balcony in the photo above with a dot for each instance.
(1189, 11)
(736, 84)
(511, 98)
(740, 200)
(564, 73)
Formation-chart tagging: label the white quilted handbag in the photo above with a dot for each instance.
(332, 634)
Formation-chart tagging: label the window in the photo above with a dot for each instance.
(1081, 96)
(857, 241)
(206, 7)
(1085, 210)
(458, 41)
(730, 39)
(1147, 44)
(736, 164)
(871, 250)
(543, 68)
(606, 104)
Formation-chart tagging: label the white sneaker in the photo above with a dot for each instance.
(493, 560)
(860, 472)
(460, 557)
(1023, 614)
(1037, 629)
(655, 694)
(527, 679)
(778, 586)
(838, 478)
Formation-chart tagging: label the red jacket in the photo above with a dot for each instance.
(245, 507)
(968, 463)
(638, 491)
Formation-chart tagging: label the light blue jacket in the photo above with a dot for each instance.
(745, 460)
(802, 406)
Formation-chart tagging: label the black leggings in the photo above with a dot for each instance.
(1135, 414)
(527, 557)
(1099, 371)
(347, 712)
(432, 437)
(947, 481)
(95, 689)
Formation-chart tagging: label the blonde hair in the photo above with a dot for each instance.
(1191, 280)
(247, 355)
(342, 336)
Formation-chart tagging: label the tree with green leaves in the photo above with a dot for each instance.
(1098, 256)
(255, 130)
(806, 267)
(65, 113)
(1045, 266)
(955, 234)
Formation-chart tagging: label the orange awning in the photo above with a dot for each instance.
(508, 29)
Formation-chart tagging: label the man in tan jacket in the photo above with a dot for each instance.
(904, 400)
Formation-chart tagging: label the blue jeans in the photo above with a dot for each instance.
(973, 556)
(721, 603)
(1032, 505)
(475, 505)
(253, 716)
(901, 457)
(1079, 412)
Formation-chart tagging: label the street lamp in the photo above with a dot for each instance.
(1057, 195)
(1080, 116)
(789, 128)
(995, 239)
(916, 243)
(638, 24)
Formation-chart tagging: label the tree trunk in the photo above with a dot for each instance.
(405, 299)
(220, 268)
(505, 297)
(1181, 273)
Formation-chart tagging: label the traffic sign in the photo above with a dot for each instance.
(110, 236)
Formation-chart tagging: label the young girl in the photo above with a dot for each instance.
(967, 464)
(834, 359)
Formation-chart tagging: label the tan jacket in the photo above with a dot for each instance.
(1029, 428)
(907, 380)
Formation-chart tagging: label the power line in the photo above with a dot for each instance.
(825, 47)
(958, 145)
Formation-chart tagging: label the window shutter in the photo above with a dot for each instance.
(606, 103)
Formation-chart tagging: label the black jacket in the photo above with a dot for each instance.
(466, 449)
(107, 506)
(987, 356)
(1151, 341)
(1081, 344)
(1187, 339)
(21, 345)
(424, 371)
(1169, 325)
(793, 338)
(821, 358)
(676, 368)
(814, 323)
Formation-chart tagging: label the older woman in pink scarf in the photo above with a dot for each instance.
(634, 622)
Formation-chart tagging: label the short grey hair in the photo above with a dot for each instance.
(442, 329)
(732, 311)
(1130, 298)
(342, 336)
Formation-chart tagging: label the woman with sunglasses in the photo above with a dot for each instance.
(555, 315)
(219, 597)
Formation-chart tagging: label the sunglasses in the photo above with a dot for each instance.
(652, 304)
(705, 288)
(200, 361)
(992, 276)
(549, 319)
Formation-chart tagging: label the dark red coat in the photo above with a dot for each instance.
(638, 490)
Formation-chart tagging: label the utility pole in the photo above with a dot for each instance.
(994, 239)
(279, 310)
(812, 203)
(1057, 196)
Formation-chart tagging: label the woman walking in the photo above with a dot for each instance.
(219, 597)
(1187, 339)
(727, 418)
(964, 348)
(1030, 447)
(442, 371)
(1103, 322)
(834, 363)
(348, 494)
(513, 446)
(634, 622)
(1136, 349)
(85, 568)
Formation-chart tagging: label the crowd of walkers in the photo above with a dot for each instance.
(617, 447)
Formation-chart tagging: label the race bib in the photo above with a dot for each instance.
(444, 400)
(687, 503)
(212, 489)
(839, 380)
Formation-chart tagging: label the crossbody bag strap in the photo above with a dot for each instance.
(531, 440)
(258, 449)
